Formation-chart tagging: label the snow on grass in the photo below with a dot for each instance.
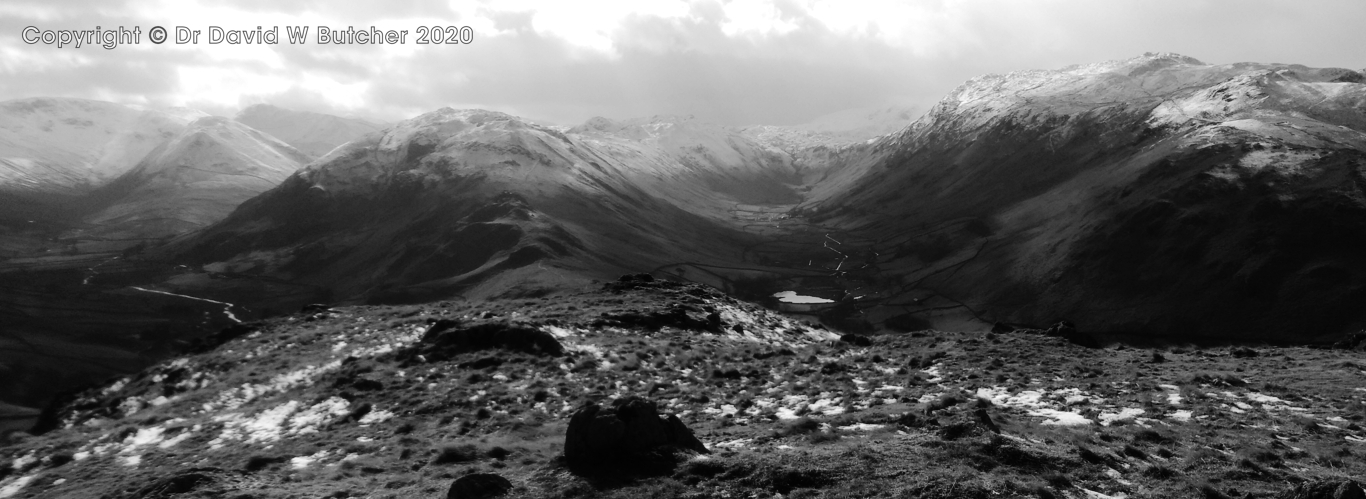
(233, 398)
(1108, 418)
(1054, 417)
(863, 427)
(1044, 404)
(1173, 393)
(24, 461)
(173, 441)
(1182, 416)
(376, 416)
(301, 462)
(12, 487)
(738, 443)
(934, 373)
(114, 388)
(271, 425)
(561, 333)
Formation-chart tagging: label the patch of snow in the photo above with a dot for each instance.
(24, 461)
(1182, 416)
(1108, 418)
(738, 443)
(173, 441)
(376, 417)
(1173, 393)
(236, 397)
(863, 427)
(114, 388)
(935, 374)
(15, 485)
(301, 462)
(1060, 418)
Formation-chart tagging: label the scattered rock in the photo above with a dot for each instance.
(478, 486)
(180, 483)
(1325, 489)
(1243, 353)
(314, 308)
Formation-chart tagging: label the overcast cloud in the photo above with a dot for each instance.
(737, 62)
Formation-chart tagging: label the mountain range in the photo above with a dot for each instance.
(1151, 200)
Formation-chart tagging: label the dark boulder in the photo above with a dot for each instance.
(314, 308)
(857, 340)
(630, 430)
(478, 486)
(447, 338)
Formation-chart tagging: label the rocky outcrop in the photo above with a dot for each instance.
(447, 338)
(631, 429)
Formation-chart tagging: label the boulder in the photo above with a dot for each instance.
(447, 338)
(478, 486)
(630, 429)
(857, 340)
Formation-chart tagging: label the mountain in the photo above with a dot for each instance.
(193, 179)
(1156, 195)
(693, 161)
(477, 203)
(69, 147)
(555, 396)
(315, 134)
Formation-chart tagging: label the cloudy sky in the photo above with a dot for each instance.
(733, 62)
